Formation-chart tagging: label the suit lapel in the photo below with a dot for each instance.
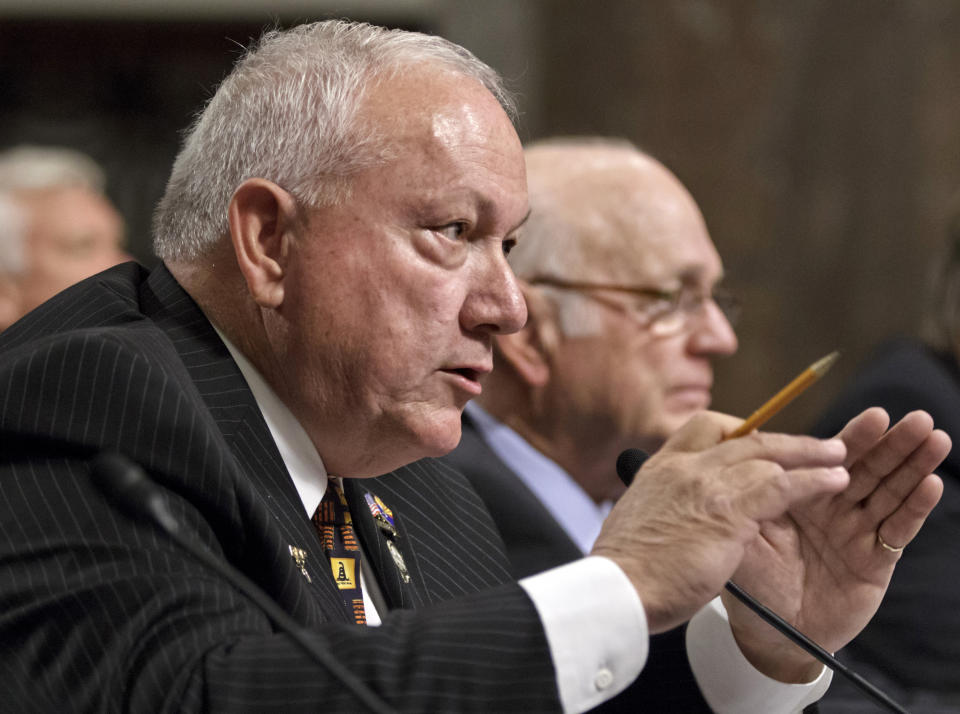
(384, 549)
(534, 539)
(225, 392)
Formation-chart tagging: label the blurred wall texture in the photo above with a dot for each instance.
(821, 139)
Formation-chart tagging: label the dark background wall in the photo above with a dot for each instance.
(821, 139)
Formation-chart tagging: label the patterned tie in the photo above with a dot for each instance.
(333, 523)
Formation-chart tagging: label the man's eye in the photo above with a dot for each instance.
(508, 245)
(452, 231)
(656, 303)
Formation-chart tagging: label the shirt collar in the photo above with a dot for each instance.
(296, 449)
(571, 506)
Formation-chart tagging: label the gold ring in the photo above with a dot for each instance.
(887, 546)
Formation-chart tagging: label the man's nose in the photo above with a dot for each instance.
(495, 303)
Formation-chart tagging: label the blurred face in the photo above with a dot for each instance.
(620, 379)
(72, 234)
(394, 296)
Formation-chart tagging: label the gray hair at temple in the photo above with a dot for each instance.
(36, 168)
(289, 112)
(942, 326)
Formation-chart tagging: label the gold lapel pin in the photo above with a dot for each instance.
(299, 556)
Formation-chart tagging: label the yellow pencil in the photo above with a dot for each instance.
(786, 395)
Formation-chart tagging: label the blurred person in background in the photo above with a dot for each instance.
(913, 642)
(56, 226)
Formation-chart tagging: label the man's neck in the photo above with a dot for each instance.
(590, 461)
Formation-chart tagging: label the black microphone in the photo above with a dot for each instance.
(628, 463)
(128, 486)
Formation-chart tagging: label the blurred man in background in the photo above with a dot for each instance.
(626, 314)
(56, 226)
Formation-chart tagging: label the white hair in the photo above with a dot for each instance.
(288, 112)
(36, 168)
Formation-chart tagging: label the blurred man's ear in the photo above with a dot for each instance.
(262, 216)
(11, 301)
(530, 351)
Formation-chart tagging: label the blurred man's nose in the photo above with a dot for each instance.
(713, 334)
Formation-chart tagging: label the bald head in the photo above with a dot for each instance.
(600, 208)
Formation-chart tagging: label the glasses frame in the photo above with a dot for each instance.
(722, 298)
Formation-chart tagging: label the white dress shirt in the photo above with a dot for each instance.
(594, 621)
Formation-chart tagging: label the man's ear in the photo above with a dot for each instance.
(529, 351)
(262, 219)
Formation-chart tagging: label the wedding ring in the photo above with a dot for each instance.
(887, 546)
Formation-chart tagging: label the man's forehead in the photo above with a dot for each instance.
(632, 230)
(449, 137)
(430, 100)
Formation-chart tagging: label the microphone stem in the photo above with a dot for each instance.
(361, 691)
(812, 648)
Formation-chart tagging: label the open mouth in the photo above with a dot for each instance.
(467, 379)
(471, 374)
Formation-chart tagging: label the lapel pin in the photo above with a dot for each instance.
(398, 560)
(299, 556)
(383, 517)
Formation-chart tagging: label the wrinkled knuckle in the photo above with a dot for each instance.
(779, 479)
(718, 506)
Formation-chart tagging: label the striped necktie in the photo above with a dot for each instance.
(334, 525)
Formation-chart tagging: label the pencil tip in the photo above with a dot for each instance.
(824, 363)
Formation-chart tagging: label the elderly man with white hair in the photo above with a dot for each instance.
(56, 226)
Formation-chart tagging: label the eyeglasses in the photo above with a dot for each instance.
(663, 312)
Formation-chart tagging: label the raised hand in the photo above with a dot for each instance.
(822, 565)
(683, 526)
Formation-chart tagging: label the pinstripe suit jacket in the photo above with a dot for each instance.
(101, 613)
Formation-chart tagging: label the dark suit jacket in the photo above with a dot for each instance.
(912, 645)
(536, 542)
(102, 613)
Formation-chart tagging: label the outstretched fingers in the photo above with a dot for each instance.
(862, 432)
(902, 481)
(902, 525)
(875, 462)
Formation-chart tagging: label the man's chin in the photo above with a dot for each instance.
(443, 445)
(440, 435)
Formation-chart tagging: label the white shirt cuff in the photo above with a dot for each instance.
(729, 682)
(596, 629)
